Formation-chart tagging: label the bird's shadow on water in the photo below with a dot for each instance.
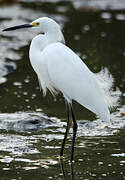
(64, 172)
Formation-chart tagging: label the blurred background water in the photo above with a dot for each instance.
(32, 126)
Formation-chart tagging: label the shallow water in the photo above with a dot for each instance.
(32, 126)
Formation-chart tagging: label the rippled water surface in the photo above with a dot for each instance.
(32, 126)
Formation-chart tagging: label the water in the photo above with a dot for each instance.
(32, 126)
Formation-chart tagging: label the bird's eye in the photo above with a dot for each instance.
(37, 23)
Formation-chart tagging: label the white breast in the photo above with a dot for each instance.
(39, 64)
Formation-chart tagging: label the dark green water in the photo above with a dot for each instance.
(32, 126)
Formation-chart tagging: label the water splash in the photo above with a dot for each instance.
(98, 128)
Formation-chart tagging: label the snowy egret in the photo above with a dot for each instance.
(59, 69)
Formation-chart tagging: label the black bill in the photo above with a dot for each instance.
(18, 27)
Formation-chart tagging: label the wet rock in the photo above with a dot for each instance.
(24, 121)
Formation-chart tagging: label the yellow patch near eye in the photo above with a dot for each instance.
(35, 23)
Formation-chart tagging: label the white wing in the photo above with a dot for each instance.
(73, 78)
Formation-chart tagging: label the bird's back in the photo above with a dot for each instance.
(73, 78)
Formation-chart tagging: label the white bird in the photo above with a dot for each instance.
(59, 69)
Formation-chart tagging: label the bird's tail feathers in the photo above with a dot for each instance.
(105, 81)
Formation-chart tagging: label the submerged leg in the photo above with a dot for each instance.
(74, 133)
(69, 123)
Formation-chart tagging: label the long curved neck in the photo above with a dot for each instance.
(51, 36)
(39, 43)
(54, 35)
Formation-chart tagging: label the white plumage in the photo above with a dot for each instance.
(59, 68)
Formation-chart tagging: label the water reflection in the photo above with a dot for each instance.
(63, 170)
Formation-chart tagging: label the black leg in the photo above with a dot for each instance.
(74, 133)
(69, 123)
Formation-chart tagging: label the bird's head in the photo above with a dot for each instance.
(44, 25)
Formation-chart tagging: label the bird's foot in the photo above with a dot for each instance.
(61, 157)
